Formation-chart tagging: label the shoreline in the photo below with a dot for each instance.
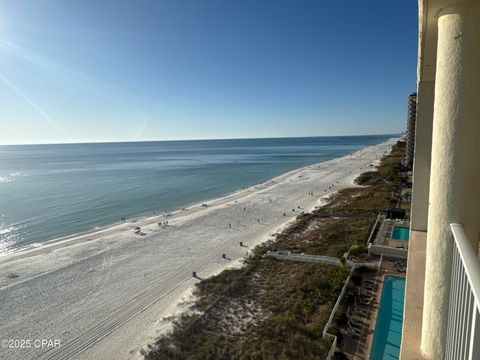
(260, 307)
(144, 216)
(101, 229)
(165, 214)
(125, 278)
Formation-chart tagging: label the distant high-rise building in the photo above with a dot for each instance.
(411, 117)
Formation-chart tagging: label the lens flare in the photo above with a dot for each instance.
(28, 100)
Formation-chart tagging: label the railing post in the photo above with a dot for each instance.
(463, 331)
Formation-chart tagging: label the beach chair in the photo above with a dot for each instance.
(355, 324)
(361, 311)
(366, 301)
(365, 293)
(356, 334)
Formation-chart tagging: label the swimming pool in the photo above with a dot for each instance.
(388, 328)
(401, 233)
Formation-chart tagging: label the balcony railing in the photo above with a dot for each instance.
(463, 332)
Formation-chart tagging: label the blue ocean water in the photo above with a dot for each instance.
(50, 191)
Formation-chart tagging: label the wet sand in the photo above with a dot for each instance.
(106, 294)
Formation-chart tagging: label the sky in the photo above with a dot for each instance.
(115, 70)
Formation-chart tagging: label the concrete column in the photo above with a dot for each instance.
(422, 159)
(455, 168)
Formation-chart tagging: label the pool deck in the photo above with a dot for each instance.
(359, 349)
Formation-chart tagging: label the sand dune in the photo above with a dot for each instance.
(105, 294)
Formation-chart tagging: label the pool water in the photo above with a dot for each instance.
(401, 233)
(388, 328)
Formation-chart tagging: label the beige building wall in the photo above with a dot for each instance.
(446, 170)
(427, 50)
(454, 191)
(422, 159)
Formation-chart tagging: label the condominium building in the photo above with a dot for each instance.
(442, 297)
(411, 117)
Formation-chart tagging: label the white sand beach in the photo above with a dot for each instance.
(106, 294)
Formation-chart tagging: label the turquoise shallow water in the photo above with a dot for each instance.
(388, 328)
(49, 191)
(401, 233)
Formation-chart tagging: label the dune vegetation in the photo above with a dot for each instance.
(272, 309)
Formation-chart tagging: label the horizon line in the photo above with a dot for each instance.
(204, 139)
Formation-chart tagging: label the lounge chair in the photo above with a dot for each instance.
(366, 301)
(355, 324)
(368, 282)
(357, 310)
(365, 293)
(368, 285)
(353, 332)
(354, 311)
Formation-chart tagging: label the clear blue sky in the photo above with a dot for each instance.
(104, 70)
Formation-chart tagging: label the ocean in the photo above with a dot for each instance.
(51, 191)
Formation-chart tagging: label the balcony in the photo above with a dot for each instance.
(463, 331)
(441, 318)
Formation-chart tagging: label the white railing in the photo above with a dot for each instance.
(463, 332)
(337, 303)
(327, 260)
(332, 315)
(370, 237)
(396, 253)
(287, 255)
(333, 347)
